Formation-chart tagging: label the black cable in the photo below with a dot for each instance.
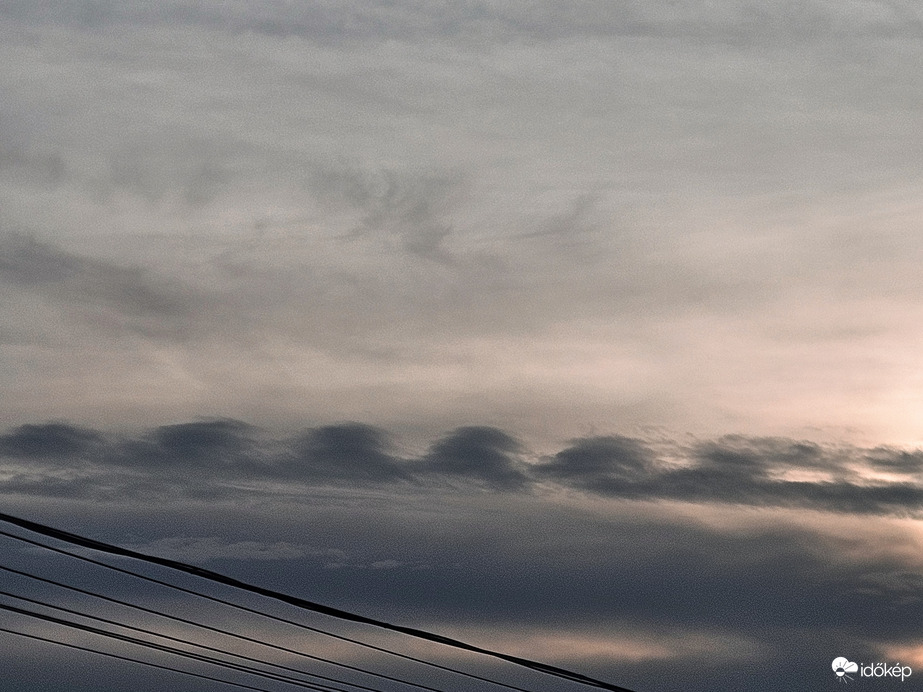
(202, 658)
(326, 688)
(133, 660)
(306, 604)
(218, 630)
(277, 618)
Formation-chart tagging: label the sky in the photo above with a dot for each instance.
(586, 331)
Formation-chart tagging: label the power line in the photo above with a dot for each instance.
(228, 633)
(277, 618)
(305, 604)
(202, 658)
(179, 640)
(133, 660)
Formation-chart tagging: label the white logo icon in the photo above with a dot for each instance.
(842, 666)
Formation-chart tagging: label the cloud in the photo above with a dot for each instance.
(124, 296)
(403, 204)
(31, 167)
(405, 187)
(615, 588)
(206, 549)
(479, 20)
(593, 463)
(521, 218)
(480, 454)
(896, 460)
(349, 452)
(737, 470)
(732, 470)
(53, 441)
(211, 445)
(190, 170)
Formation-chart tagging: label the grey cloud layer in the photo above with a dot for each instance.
(312, 202)
(731, 470)
(729, 21)
(143, 303)
(511, 567)
(743, 471)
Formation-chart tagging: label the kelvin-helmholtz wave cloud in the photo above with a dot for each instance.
(734, 470)
(588, 331)
(627, 558)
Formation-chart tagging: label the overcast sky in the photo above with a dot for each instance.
(609, 309)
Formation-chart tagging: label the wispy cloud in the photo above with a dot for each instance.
(122, 296)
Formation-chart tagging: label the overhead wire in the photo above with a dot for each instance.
(180, 640)
(270, 616)
(224, 632)
(132, 660)
(305, 604)
(202, 658)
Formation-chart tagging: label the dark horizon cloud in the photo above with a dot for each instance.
(346, 453)
(482, 455)
(59, 441)
(732, 470)
(644, 593)
(628, 594)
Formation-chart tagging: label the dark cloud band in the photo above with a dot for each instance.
(760, 472)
